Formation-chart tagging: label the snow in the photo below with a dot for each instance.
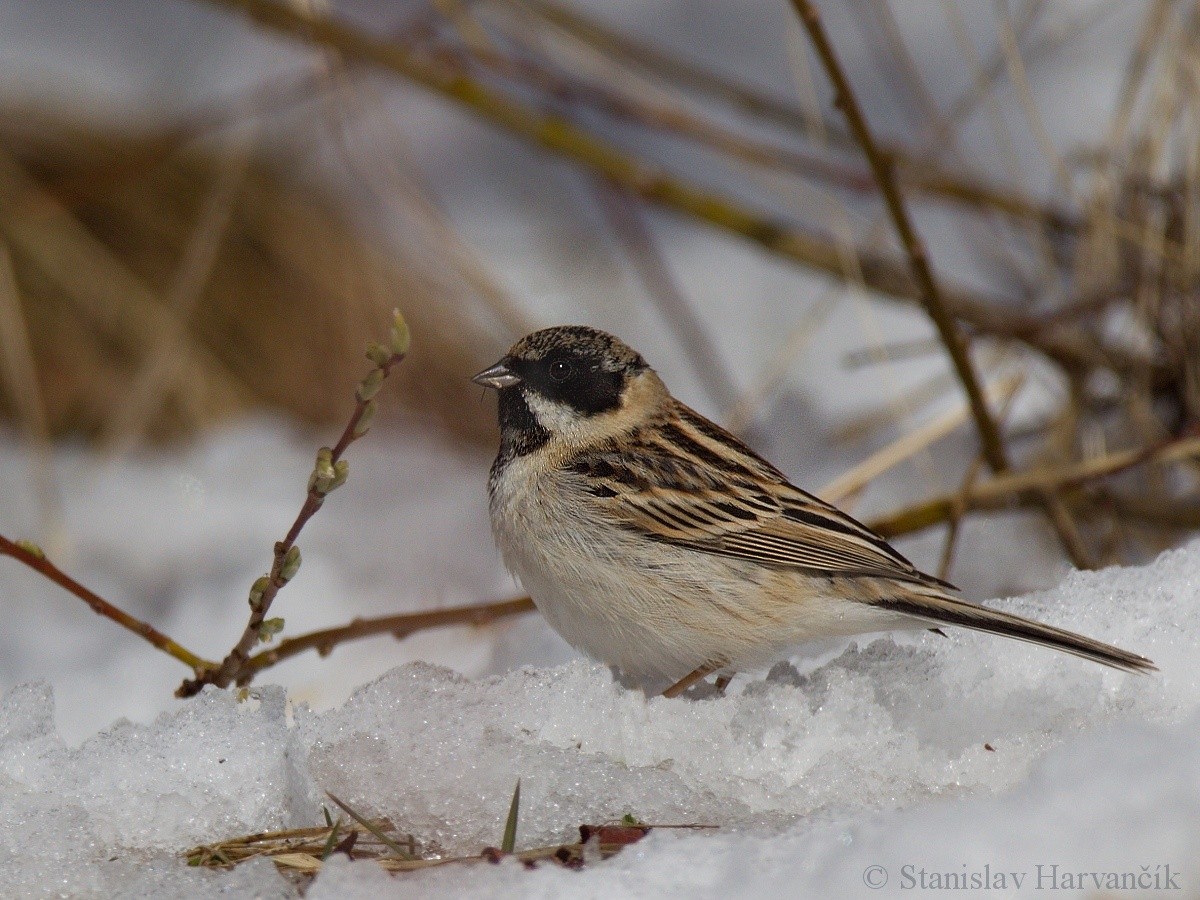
(853, 758)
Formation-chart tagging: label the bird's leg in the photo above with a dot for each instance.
(688, 680)
(722, 682)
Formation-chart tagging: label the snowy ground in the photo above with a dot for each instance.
(868, 753)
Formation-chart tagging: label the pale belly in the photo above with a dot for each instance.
(655, 610)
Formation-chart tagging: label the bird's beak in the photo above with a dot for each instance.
(497, 377)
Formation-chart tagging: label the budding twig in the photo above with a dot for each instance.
(329, 473)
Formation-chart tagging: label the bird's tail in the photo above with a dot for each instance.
(941, 609)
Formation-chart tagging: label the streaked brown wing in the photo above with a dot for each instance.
(695, 485)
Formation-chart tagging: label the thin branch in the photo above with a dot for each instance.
(881, 273)
(330, 472)
(399, 626)
(931, 293)
(1027, 487)
(918, 258)
(33, 557)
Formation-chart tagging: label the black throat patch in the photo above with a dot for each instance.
(520, 431)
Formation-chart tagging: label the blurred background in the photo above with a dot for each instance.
(208, 207)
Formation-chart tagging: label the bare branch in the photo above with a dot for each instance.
(32, 556)
(399, 626)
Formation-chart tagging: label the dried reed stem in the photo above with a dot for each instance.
(906, 446)
(931, 293)
(1008, 489)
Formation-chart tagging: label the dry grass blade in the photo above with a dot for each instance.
(372, 827)
(855, 479)
(508, 843)
(300, 850)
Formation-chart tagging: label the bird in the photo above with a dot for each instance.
(659, 543)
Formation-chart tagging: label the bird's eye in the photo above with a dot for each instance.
(560, 370)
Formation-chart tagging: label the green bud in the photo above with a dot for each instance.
(323, 474)
(369, 386)
(378, 354)
(258, 589)
(401, 337)
(269, 628)
(363, 425)
(341, 471)
(291, 565)
(31, 548)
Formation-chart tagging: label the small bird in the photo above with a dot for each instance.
(657, 542)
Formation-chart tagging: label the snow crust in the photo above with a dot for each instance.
(876, 755)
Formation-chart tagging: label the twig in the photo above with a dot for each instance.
(32, 556)
(880, 273)
(399, 626)
(931, 295)
(1004, 490)
(856, 478)
(329, 474)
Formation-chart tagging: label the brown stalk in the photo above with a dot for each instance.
(922, 272)
(918, 258)
(36, 561)
(1027, 487)
(880, 273)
